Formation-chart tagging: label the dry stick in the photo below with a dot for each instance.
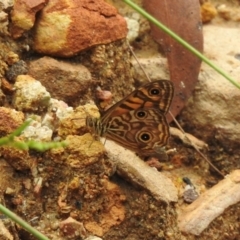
(195, 147)
(175, 120)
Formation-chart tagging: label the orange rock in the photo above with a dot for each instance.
(7, 87)
(113, 214)
(10, 120)
(65, 28)
(23, 15)
(208, 12)
(71, 228)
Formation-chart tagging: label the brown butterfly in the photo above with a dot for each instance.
(138, 121)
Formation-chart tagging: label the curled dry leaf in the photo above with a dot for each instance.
(182, 17)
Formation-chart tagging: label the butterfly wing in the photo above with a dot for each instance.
(157, 94)
(138, 121)
(141, 130)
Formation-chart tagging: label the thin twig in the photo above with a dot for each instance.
(175, 120)
(195, 147)
(135, 57)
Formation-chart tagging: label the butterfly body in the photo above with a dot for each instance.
(138, 121)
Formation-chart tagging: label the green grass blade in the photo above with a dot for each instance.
(22, 223)
(181, 41)
(25, 145)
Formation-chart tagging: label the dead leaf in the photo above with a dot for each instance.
(182, 17)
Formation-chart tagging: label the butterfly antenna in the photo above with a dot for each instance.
(175, 120)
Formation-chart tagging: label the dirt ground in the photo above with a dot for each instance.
(76, 192)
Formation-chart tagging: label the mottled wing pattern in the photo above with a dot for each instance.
(138, 121)
(139, 130)
(157, 94)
